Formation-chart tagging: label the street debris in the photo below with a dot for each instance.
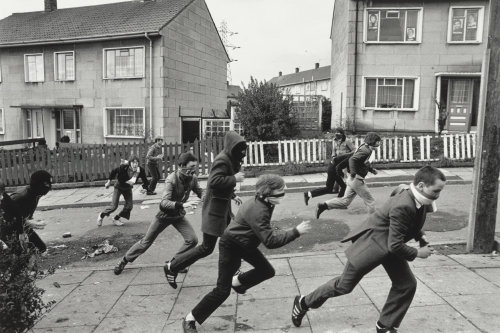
(66, 235)
(61, 246)
(144, 207)
(57, 285)
(99, 249)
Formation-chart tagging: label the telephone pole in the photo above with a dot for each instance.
(482, 219)
(225, 33)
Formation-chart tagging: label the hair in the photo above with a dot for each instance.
(158, 138)
(134, 158)
(64, 139)
(185, 158)
(42, 142)
(267, 183)
(340, 130)
(428, 175)
(371, 138)
(39, 177)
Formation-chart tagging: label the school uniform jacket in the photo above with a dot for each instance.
(387, 230)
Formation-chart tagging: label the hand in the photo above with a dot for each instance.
(240, 176)
(238, 200)
(425, 252)
(374, 171)
(188, 204)
(107, 184)
(303, 227)
(131, 181)
(160, 157)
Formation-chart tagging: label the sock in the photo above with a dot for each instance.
(168, 265)
(303, 303)
(309, 194)
(190, 317)
(125, 260)
(236, 281)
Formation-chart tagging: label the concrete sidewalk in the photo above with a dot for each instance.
(456, 293)
(99, 196)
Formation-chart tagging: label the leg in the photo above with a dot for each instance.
(186, 230)
(345, 201)
(141, 246)
(330, 181)
(154, 171)
(191, 256)
(404, 286)
(340, 181)
(262, 270)
(229, 262)
(114, 203)
(127, 207)
(365, 194)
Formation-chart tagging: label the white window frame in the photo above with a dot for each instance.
(26, 69)
(480, 25)
(105, 122)
(56, 67)
(418, 40)
(104, 68)
(214, 119)
(2, 118)
(416, 94)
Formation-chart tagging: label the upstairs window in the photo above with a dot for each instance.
(64, 66)
(2, 122)
(465, 25)
(124, 63)
(393, 25)
(33, 68)
(391, 93)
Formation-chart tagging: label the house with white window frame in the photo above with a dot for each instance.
(401, 66)
(120, 72)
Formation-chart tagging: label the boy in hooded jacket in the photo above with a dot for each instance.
(216, 209)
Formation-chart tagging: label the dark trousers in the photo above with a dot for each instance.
(191, 256)
(154, 171)
(400, 296)
(334, 177)
(230, 255)
(127, 207)
(35, 241)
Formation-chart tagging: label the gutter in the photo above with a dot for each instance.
(355, 65)
(150, 85)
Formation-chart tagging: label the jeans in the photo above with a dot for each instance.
(154, 171)
(181, 224)
(330, 182)
(354, 187)
(127, 207)
(230, 255)
(191, 256)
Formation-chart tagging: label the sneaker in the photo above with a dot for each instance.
(120, 267)
(297, 312)
(239, 289)
(99, 219)
(320, 209)
(306, 198)
(382, 329)
(150, 193)
(118, 223)
(189, 326)
(170, 277)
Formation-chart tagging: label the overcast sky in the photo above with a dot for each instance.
(273, 35)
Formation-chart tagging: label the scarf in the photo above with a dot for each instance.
(422, 199)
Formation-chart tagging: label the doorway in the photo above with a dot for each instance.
(190, 130)
(460, 96)
(68, 124)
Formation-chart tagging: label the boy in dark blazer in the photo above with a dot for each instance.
(381, 240)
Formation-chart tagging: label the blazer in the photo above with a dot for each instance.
(386, 231)
(357, 162)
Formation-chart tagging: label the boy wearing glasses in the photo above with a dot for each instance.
(178, 187)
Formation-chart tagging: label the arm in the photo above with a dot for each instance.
(114, 173)
(219, 178)
(272, 239)
(350, 145)
(399, 220)
(196, 188)
(150, 156)
(167, 201)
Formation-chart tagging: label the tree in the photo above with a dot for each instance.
(265, 113)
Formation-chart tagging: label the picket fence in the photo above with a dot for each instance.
(91, 162)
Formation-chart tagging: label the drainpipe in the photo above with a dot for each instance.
(355, 65)
(150, 84)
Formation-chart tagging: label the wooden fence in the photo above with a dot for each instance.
(81, 162)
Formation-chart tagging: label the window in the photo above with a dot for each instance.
(68, 123)
(124, 63)
(215, 127)
(64, 66)
(2, 122)
(389, 25)
(33, 68)
(125, 122)
(324, 86)
(391, 93)
(308, 86)
(465, 25)
(313, 86)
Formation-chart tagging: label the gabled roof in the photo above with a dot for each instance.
(322, 73)
(112, 20)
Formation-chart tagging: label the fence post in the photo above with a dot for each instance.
(410, 147)
(262, 161)
(405, 150)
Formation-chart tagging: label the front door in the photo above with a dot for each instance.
(459, 104)
(190, 130)
(34, 123)
(68, 124)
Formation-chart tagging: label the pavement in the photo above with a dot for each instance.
(456, 293)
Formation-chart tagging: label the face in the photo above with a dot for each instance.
(276, 196)
(376, 145)
(189, 169)
(432, 191)
(159, 143)
(134, 164)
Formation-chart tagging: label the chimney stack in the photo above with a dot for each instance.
(280, 73)
(316, 65)
(296, 69)
(50, 5)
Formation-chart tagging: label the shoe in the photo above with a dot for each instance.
(306, 198)
(170, 277)
(150, 193)
(99, 220)
(320, 209)
(189, 326)
(239, 289)
(297, 312)
(382, 329)
(118, 223)
(120, 267)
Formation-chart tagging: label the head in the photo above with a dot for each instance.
(373, 18)
(270, 188)
(240, 151)
(64, 139)
(372, 140)
(339, 133)
(41, 182)
(187, 164)
(133, 161)
(429, 182)
(235, 146)
(158, 140)
(42, 143)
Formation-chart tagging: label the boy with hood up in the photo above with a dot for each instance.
(216, 209)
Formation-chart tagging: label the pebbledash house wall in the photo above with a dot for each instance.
(194, 69)
(189, 70)
(433, 55)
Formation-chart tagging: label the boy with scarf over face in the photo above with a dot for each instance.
(216, 210)
(178, 187)
(381, 240)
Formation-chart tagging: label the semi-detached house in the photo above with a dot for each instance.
(119, 72)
